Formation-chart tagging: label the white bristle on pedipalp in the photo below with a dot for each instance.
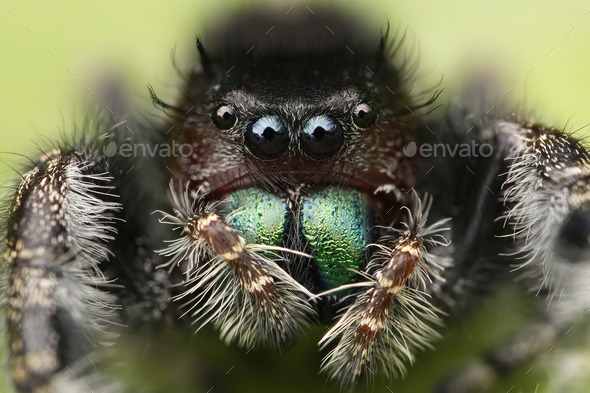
(236, 286)
(390, 320)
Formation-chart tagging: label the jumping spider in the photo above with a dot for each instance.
(304, 186)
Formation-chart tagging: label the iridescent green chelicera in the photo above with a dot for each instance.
(261, 216)
(333, 223)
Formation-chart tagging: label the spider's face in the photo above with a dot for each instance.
(274, 111)
(308, 146)
(312, 164)
(286, 139)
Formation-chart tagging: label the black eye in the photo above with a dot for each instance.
(363, 116)
(224, 117)
(321, 137)
(267, 138)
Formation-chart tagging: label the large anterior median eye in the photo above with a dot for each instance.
(321, 137)
(267, 138)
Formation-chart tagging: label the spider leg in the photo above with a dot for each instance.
(537, 193)
(57, 230)
(79, 260)
(391, 319)
(547, 196)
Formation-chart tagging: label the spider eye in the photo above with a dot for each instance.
(224, 117)
(363, 116)
(321, 137)
(267, 138)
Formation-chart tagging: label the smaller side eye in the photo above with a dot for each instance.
(363, 115)
(224, 117)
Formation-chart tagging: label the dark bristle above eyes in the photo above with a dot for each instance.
(323, 46)
(299, 32)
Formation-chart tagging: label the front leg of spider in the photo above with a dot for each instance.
(545, 188)
(56, 233)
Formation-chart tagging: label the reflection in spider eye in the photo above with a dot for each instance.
(267, 138)
(321, 137)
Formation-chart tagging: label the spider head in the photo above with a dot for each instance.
(283, 115)
(304, 136)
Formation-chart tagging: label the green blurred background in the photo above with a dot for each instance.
(133, 40)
